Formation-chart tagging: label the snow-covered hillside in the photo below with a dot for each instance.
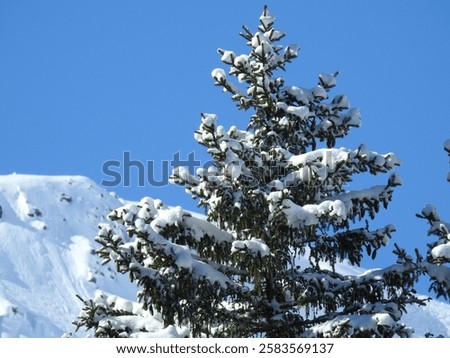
(47, 230)
(47, 227)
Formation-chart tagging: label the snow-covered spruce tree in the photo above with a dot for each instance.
(278, 219)
(435, 265)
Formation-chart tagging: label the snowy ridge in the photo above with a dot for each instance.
(47, 230)
(47, 227)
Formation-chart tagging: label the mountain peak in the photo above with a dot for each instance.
(47, 230)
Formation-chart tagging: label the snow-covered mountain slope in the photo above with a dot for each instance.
(47, 230)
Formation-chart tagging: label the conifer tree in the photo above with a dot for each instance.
(435, 265)
(279, 218)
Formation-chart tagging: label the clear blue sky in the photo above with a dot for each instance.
(83, 81)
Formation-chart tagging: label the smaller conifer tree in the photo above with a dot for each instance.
(435, 265)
